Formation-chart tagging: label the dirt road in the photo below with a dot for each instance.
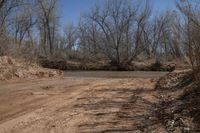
(79, 105)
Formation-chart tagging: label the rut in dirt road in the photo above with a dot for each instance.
(81, 105)
(120, 110)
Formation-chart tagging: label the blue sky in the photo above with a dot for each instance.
(70, 10)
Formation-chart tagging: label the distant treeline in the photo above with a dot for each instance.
(119, 31)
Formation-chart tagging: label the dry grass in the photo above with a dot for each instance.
(179, 108)
(12, 69)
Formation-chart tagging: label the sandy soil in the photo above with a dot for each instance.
(78, 105)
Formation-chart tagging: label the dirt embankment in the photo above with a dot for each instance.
(179, 107)
(15, 69)
(106, 66)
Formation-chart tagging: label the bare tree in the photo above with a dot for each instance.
(111, 31)
(70, 36)
(90, 38)
(23, 23)
(47, 18)
(2, 3)
(6, 9)
(141, 36)
(118, 30)
(191, 11)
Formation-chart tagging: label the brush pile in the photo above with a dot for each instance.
(179, 107)
(14, 69)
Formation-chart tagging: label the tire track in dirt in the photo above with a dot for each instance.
(78, 105)
(125, 109)
(51, 113)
